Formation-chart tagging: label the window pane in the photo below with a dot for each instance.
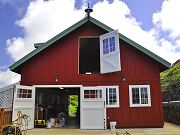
(112, 44)
(112, 96)
(98, 94)
(135, 96)
(144, 95)
(24, 93)
(110, 90)
(105, 46)
(93, 94)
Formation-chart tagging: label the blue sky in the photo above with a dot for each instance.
(147, 22)
(9, 14)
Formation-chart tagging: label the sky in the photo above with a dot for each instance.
(154, 24)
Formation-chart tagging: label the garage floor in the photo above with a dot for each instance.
(169, 129)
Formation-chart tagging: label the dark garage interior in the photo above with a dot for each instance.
(59, 106)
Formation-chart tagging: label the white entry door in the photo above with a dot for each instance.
(24, 101)
(93, 109)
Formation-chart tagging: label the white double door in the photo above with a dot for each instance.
(93, 108)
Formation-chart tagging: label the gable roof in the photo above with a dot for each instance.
(41, 46)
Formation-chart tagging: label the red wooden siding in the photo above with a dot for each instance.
(61, 60)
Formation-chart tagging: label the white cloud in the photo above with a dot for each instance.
(7, 77)
(45, 19)
(168, 18)
(42, 21)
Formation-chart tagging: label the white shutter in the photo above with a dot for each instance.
(109, 56)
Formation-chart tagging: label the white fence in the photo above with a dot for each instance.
(6, 96)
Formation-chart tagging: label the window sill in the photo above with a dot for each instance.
(112, 106)
(139, 105)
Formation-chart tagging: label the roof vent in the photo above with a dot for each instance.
(88, 11)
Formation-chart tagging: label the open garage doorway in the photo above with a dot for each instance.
(58, 106)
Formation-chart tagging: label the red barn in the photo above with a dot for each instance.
(113, 78)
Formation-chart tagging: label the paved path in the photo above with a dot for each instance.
(67, 132)
(169, 129)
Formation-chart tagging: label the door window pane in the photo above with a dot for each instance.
(112, 44)
(24, 93)
(105, 46)
(92, 94)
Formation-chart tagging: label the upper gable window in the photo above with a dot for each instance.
(99, 54)
(89, 56)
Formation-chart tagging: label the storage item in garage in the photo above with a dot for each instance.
(39, 122)
(62, 119)
(52, 120)
(62, 122)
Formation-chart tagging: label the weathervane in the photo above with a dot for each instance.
(88, 11)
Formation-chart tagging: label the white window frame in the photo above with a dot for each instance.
(117, 96)
(139, 104)
(109, 35)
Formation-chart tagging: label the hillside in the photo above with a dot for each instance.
(170, 79)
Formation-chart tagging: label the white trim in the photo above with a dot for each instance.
(174, 101)
(56, 86)
(22, 107)
(130, 96)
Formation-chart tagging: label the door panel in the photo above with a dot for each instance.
(109, 52)
(93, 110)
(24, 101)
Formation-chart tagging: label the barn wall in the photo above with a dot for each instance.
(61, 60)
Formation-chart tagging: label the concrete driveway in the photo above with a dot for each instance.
(169, 129)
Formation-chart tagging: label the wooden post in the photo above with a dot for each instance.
(5, 116)
(1, 117)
